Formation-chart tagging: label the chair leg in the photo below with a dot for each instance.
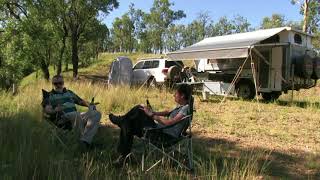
(143, 156)
(190, 155)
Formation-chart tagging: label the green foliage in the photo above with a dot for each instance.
(310, 10)
(276, 20)
(123, 34)
(174, 37)
(37, 34)
(241, 24)
(160, 17)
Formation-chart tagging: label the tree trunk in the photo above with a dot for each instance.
(59, 69)
(75, 57)
(66, 68)
(45, 69)
(305, 16)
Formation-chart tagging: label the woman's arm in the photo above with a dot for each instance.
(161, 119)
(167, 122)
(162, 113)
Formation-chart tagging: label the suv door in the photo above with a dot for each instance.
(149, 68)
(142, 72)
(138, 72)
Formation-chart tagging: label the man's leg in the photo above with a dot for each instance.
(76, 120)
(92, 122)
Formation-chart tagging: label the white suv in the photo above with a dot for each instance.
(154, 71)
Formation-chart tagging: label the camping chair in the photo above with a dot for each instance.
(57, 129)
(168, 146)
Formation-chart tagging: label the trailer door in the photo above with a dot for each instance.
(276, 69)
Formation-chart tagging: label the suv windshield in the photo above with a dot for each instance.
(172, 63)
(139, 65)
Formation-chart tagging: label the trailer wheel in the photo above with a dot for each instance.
(272, 96)
(245, 89)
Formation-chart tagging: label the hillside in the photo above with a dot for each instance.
(233, 140)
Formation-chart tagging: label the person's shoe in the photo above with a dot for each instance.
(115, 119)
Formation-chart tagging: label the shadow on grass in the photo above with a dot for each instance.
(277, 164)
(301, 104)
(28, 150)
(274, 164)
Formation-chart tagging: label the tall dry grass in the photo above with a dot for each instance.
(30, 148)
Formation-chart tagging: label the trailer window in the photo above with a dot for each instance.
(297, 39)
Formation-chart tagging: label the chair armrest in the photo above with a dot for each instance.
(166, 127)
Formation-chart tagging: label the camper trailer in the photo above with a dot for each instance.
(271, 61)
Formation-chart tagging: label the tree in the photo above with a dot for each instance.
(80, 13)
(174, 37)
(92, 42)
(276, 20)
(241, 24)
(202, 21)
(160, 17)
(28, 34)
(310, 12)
(123, 33)
(223, 27)
(193, 33)
(142, 35)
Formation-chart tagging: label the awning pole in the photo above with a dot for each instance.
(254, 80)
(235, 78)
(292, 83)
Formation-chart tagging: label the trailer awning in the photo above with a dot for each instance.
(225, 47)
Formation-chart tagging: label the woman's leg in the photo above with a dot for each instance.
(132, 124)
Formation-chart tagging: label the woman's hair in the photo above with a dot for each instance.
(186, 90)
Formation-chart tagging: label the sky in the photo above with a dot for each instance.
(253, 10)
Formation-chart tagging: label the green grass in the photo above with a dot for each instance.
(232, 140)
(99, 67)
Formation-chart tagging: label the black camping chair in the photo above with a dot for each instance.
(57, 129)
(54, 119)
(155, 140)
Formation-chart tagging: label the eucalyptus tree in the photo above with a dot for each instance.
(276, 20)
(79, 14)
(123, 33)
(310, 12)
(160, 17)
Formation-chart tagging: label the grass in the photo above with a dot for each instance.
(99, 67)
(30, 149)
(233, 140)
